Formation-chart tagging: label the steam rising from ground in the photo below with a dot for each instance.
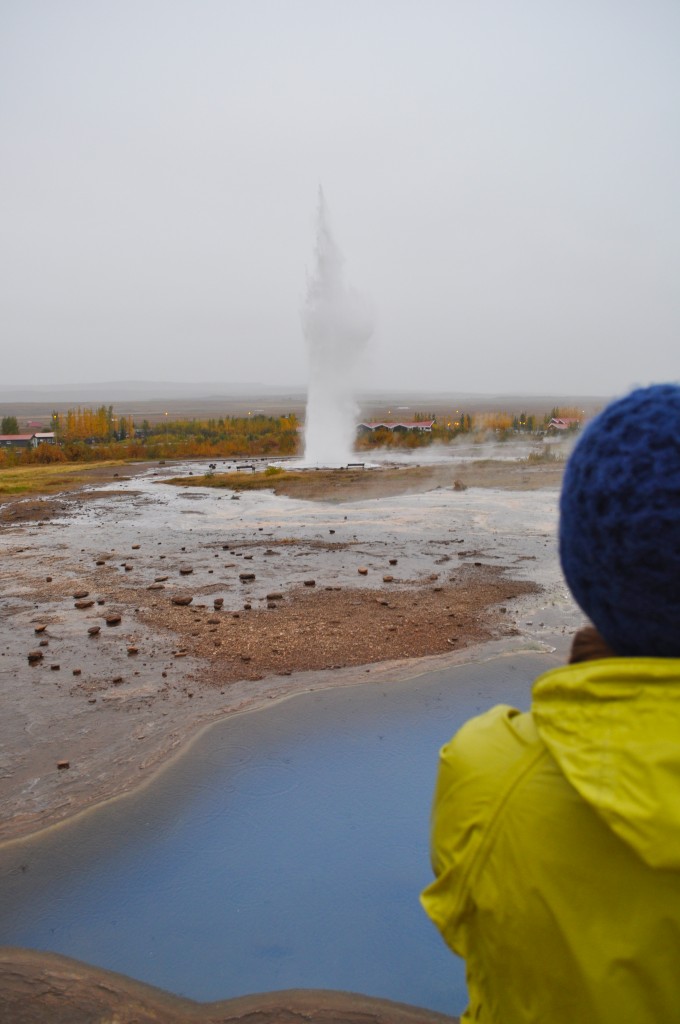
(337, 323)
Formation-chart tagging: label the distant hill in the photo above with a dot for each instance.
(130, 390)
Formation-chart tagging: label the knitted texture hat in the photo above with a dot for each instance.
(620, 522)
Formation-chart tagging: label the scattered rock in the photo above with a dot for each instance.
(388, 579)
(458, 485)
(93, 630)
(113, 619)
(35, 655)
(213, 621)
(39, 629)
(55, 668)
(136, 547)
(362, 570)
(310, 583)
(160, 579)
(246, 577)
(156, 586)
(218, 602)
(84, 604)
(393, 561)
(117, 680)
(48, 579)
(275, 597)
(44, 643)
(77, 672)
(79, 594)
(182, 599)
(62, 765)
(247, 607)
(133, 650)
(272, 605)
(185, 570)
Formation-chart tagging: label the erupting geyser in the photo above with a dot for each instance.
(337, 323)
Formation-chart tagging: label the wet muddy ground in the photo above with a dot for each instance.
(104, 673)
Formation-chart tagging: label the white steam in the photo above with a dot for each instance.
(337, 323)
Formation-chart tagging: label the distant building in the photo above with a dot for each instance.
(27, 440)
(400, 426)
(17, 441)
(564, 423)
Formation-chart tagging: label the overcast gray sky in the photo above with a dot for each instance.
(503, 178)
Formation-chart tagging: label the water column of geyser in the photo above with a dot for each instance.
(337, 323)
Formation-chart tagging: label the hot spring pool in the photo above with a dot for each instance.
(285, 848)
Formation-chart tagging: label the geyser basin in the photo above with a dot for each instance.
(286, 848)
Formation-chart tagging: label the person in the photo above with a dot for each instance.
(556, 832)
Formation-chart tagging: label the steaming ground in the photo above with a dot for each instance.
(338, 578)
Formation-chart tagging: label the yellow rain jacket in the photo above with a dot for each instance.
(556, 849)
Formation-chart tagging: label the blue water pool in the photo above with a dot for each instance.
(285, 849)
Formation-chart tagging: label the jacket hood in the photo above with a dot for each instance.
(613, 727)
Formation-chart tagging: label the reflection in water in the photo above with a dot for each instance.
(285, 849)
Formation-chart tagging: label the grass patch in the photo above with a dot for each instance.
(47, 479)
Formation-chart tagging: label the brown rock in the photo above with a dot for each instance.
(136, 547)
(218, 602)
(133, 650)
(61, 765)
(182, 599)
(39, 629)
(80, 594)
(388, 579)
(77, 671)
(362, 570)
(84, 604)
(275, 597)
(155, 586)
(246, 577)
(310, 583)
(185, 570)
(93, 630)
(55, 668)
(35, 655)
(393, 561)
(160, 579)
(113, 619)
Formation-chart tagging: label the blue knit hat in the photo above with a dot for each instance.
(620, 522)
